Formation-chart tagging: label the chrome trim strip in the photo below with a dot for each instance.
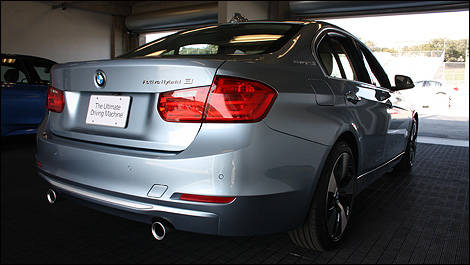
(381, 166)
(126, 203)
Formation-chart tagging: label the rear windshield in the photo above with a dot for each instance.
(228, 39)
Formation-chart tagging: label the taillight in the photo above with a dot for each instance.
(456, 88)
(235, 99)
(55, 99)
(185, 105)
(230, 99)
(204, 198)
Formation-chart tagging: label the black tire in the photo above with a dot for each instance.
(329, 204)
(407, 161)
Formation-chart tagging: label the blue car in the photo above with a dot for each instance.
(24, 91)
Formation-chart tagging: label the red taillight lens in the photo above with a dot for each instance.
(203, 198)
(234, 99)
(183, 105)
(230, 99)
(456, 88)
(55, 99)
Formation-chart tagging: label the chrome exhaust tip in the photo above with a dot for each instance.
(158, 230)
(51, 196)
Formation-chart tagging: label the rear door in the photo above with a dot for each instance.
(340, 62)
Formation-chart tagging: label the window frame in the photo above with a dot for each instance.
(36, 78)
(358, 72)
(374, 65)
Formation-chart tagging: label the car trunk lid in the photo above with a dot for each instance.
(138, 81)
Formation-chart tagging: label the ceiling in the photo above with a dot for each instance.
(118, 8)
(153, 15)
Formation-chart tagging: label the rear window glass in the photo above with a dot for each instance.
(230, 39)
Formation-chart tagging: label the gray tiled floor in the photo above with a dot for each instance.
(418, 218)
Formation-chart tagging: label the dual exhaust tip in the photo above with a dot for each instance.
(159, 230)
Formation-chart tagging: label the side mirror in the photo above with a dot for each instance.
(403, 82)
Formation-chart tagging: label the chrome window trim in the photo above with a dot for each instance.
(314, 46)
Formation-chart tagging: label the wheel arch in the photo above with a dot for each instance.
(351, 140)
(415, 116)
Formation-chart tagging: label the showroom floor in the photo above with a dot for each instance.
(417, 218)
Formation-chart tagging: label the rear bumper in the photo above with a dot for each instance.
(133, 208)
(245, 216)
(272, 183)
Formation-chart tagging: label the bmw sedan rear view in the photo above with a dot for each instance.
(235, 129)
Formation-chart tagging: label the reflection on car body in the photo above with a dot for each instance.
(256, 143)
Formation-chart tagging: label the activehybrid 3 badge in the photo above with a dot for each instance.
(100, 78)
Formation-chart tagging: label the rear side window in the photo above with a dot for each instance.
(334, 54)
(229, 39)
(43, 69)
(328, 61)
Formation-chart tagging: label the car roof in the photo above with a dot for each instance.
(301, 21)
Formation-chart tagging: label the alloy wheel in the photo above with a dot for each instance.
(339, 196)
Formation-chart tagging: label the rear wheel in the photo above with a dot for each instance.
(331, 207)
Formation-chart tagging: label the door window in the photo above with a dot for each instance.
(346, 63)
(373, 79)
(377, 75)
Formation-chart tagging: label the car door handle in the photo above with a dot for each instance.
(352, 97)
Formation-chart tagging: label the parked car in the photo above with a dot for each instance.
(24, 89)
(235, 129)
(431, 94)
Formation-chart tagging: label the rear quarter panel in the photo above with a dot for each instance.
(295, 75)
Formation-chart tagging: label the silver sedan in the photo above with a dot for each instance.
(235, 129)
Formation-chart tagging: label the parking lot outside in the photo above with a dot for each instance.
(417, 218)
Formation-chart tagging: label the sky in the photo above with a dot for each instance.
(400, 30)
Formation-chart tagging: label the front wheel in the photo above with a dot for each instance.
(408, 159)
(331, 207)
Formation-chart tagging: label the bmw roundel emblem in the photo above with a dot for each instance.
(100, 78)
